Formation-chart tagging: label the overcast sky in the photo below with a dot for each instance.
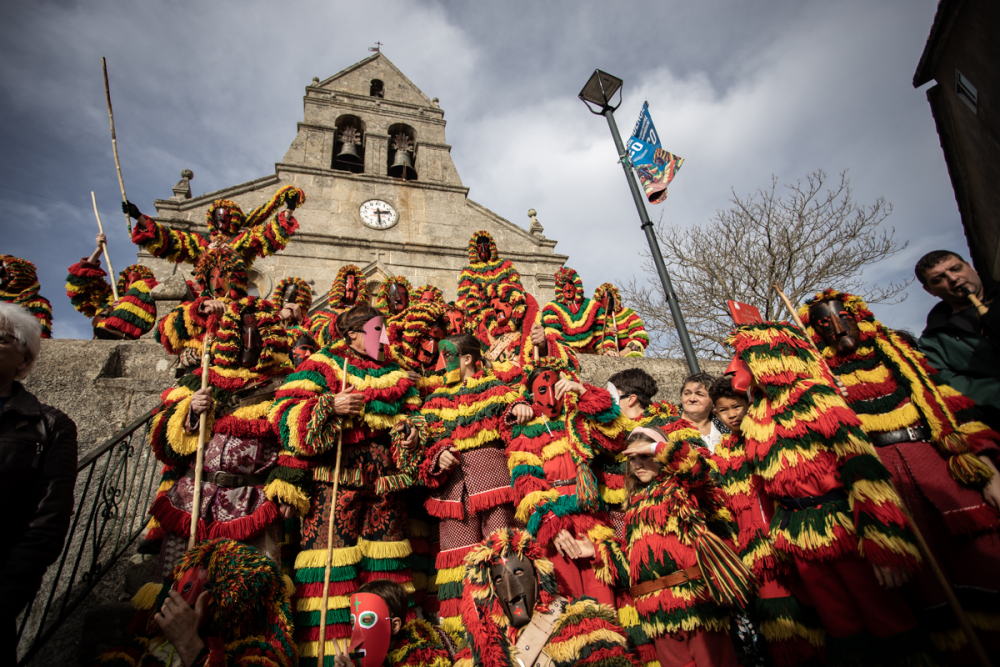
(741, 90)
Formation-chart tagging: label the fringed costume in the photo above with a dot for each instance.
(244, 477)
(583, 632)
(429, 293)
(485, 267)
(371, 515)
(19, 285)
(625, 328)
(792, 629)
(506, 323)
(927, 438)
(554, 486)
(578, 319)
(420, 644)
(834, 513)
(476, 498)
(92, 296)
(249, 620)
(684, 577)
(413, 343)
(300, 292)
(251, 236)
(394, 322)
(349, 288)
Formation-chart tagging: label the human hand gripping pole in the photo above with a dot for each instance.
(925, 551)
(321, 650)
(199, 463)
(104, 245)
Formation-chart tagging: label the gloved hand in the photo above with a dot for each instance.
(131, 209)
(292, 200)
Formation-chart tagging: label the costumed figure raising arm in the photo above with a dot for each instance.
(576, 318)
(513, 331)
(485, 267)
(622, 326)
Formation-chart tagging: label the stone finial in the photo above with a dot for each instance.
(182, 190)
(436, 103)
(315, 81)
(536, 228)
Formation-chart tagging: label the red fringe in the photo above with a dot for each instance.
(490, 499)
(453, 557)
(445, 509)
(246, 527)
(315, 589)
(286, 461)
(243, 428)
(311, 634)
(176, 521)
(972, 520)
(432, 478)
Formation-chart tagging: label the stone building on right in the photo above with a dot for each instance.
(962, 58)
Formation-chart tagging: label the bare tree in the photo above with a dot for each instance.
(806, 240)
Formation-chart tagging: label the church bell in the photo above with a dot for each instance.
(349, 153)
(402, 166)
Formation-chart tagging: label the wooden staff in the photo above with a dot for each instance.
(321, 651)
(114, 142)
(199, 463)
(939, 575)
(100, 228)
(798, 321)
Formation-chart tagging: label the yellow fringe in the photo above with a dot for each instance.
(289, 585)
(317, 557)
(256, 411)
(527, 506)
(311, 649)
(316, 604)
(145, 597)
(628, 617)
(450, 574)
(279, 490)
(384, 550)
(178, 438)
(569, 650)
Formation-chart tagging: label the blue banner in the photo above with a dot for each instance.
(654, 166)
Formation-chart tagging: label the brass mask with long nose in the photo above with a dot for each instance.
(835, 325)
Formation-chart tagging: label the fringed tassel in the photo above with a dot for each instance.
(965, 468)
(587, 494)
(729, 581)
(144, 599)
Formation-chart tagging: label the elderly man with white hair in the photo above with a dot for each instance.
(37, 475)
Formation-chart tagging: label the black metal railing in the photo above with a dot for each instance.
(115, 485)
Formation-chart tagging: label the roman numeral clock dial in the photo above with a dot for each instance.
(378, 214)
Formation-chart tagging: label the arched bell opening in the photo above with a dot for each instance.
(377, 89)
(401, 153)
(349, 145)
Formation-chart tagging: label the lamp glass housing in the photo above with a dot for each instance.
(600, 90)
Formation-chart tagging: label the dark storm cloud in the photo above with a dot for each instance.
(742, 90)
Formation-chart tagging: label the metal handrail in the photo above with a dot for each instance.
(115, 485)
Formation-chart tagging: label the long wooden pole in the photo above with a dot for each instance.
(114, 141)
(107, 257)
(321, 651)
(939, 575)
(206, 356)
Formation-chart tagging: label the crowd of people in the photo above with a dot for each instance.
(400, 480)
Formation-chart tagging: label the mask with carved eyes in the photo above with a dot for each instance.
(350, 290)
(543, 393)
(398, 299)
(739, 370)
(304, 348)
(503, 311)
(219, 217)
(219, 283)
(371, 631)
(835, 325)
(483, 249)
(375, 336)
(253, 344)
(515, 585)
(456, 322)
(192, 584)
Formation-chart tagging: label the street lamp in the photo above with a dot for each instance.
(597, 95)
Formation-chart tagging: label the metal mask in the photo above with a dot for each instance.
(350, 290)
(609, 303)
(191, 585)
(219, 217)
(543, 393)
(456, 322)
(372, 629)
(375, 337)
(835, 325)
(515, 585)
(483, 249)
(253, 344)
(742, 378)
(289, 295)
(398, 298)
(452, 358)
(503, 311)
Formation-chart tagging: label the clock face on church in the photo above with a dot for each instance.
(378, 214)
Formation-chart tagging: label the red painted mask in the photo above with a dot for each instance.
(609, 302)
(304, 347)
(543, 393)
(427, 296)
(503, 311)
(398, 298)
(456, 321)
(220, 284)
(372, 629)
(483, 249)
(742, 378)
(133, 276)
(350, 290)
(192, 584)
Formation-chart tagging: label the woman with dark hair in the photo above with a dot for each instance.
(345, 396)
(465, 465)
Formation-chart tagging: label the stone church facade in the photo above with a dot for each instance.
(382, 193)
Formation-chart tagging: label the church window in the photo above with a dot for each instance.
(377, 89)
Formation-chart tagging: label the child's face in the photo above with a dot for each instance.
(695, 401)
(731, 412)
(644, 467)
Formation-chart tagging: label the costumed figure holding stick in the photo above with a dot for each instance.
(466, 467)
(621, 324)
(511, 327)
(373, 414)
(555, 490)
(579, 320)
(19, 286)
(248, 484)
(349, 289)
(293, 297)
(833, 514)
(226, 604)
(394, 299)
(123, 310)
(516, 614)
(941, 459)
(485, 267)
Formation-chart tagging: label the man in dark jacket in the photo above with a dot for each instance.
(37, 475)
(962, 345)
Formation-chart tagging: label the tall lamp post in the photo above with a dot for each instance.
(599, 91)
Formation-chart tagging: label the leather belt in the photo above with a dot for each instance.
(677, 578)
(564, 482)
(808, 503)
(919, 433)
(228, 480)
